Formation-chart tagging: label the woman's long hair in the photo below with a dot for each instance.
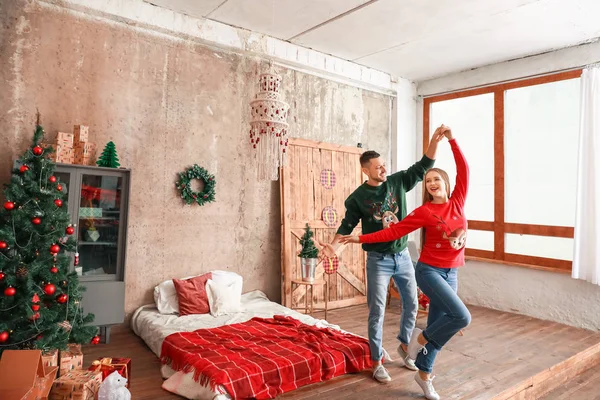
(427, 197)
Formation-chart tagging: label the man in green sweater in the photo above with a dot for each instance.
(377, 203)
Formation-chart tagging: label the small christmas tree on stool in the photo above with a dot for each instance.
(308, 255)
(109, 158)
(40, 299)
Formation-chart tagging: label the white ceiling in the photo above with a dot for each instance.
(413, 39)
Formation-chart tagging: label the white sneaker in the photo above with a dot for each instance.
(381, 374)
(408, 362)
(414, 346)
(427, 386)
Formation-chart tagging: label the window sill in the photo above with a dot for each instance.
(515, 264)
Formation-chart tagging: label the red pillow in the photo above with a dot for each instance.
(192, 295)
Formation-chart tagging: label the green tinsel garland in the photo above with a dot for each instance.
(206, 196)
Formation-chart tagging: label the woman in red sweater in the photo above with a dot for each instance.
(443, 220)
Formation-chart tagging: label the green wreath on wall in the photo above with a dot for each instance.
(207, 195)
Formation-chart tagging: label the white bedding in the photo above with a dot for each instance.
(154, 327)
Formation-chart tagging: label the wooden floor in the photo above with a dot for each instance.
(498, 351)
(584, 387)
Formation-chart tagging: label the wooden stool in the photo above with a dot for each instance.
(312, 285)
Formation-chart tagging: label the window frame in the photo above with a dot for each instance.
(499, 226)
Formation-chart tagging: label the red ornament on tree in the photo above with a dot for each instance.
(70, 230)
(95, 340)
(49, 289)
(76, 263)
(24, 168)
(58, 202)
(2, 275)
(36, 220)
(36, 302)
(37, 150)
(35, 307)
(3, 245)
(35, 316)
(59, 187)
(54, 270)
(54, 249)
(9, 206)
(52, 179)
(3, 336)
(10, 291)
(62, 298)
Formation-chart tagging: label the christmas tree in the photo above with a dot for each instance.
(109, 158)
(309, 250)
(40, 298)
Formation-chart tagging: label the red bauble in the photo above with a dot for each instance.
(2, 275)
(39, 337)
(54, 270)
(49, 289)
(70, 230)
(59, 187)
(35, 316)
(10, 291)
(36, 220)
(3, 245)
(52, 179)
(9, 205)
(3, 336)
(37, 150)
(62, 298)
(24, 168)
(95, 340)
(35, 307)
(58, 202)
(54, 249)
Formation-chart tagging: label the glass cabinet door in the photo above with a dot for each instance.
(98, 228)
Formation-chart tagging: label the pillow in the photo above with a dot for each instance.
(191, 295)
(165, 296)
(224, 298)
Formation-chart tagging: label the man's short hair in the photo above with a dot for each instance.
(366, 157)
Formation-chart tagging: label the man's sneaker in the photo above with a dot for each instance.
(381, 374)
(414, 346)
(427, 386)
(408, 362)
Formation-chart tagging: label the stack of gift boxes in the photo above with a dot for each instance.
(75, 383)
(74, 148)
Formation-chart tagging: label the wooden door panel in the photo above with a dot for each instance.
(303, 198)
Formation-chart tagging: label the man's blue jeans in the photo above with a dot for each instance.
(380, 268)
(447, 313)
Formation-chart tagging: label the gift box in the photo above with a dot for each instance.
(62, 154)
(85, 153)
(81, 133)
(64, 139)
(107, 366)
(70, 359)
(76, 385)
(50, 359)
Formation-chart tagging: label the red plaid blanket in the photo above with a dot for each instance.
(262, 358)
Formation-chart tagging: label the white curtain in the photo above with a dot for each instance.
(586, 256)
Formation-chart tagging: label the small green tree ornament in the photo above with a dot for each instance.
(309, 250)
(109, 158)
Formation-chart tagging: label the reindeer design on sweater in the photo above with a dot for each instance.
(386, 211)
(457, 238)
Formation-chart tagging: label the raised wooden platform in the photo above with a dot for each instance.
(502, 356)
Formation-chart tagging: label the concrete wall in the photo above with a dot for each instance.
(539, 294)
(168, 102)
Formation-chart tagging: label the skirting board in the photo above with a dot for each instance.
(553, 377)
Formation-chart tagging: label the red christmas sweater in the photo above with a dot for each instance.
(445, 224)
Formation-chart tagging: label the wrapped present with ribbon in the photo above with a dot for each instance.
(76, 385)
(109, 365)
(71, 359)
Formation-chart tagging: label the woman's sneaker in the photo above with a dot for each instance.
(414, 346)
(427, 386)
(408, 362)
(381, 374)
